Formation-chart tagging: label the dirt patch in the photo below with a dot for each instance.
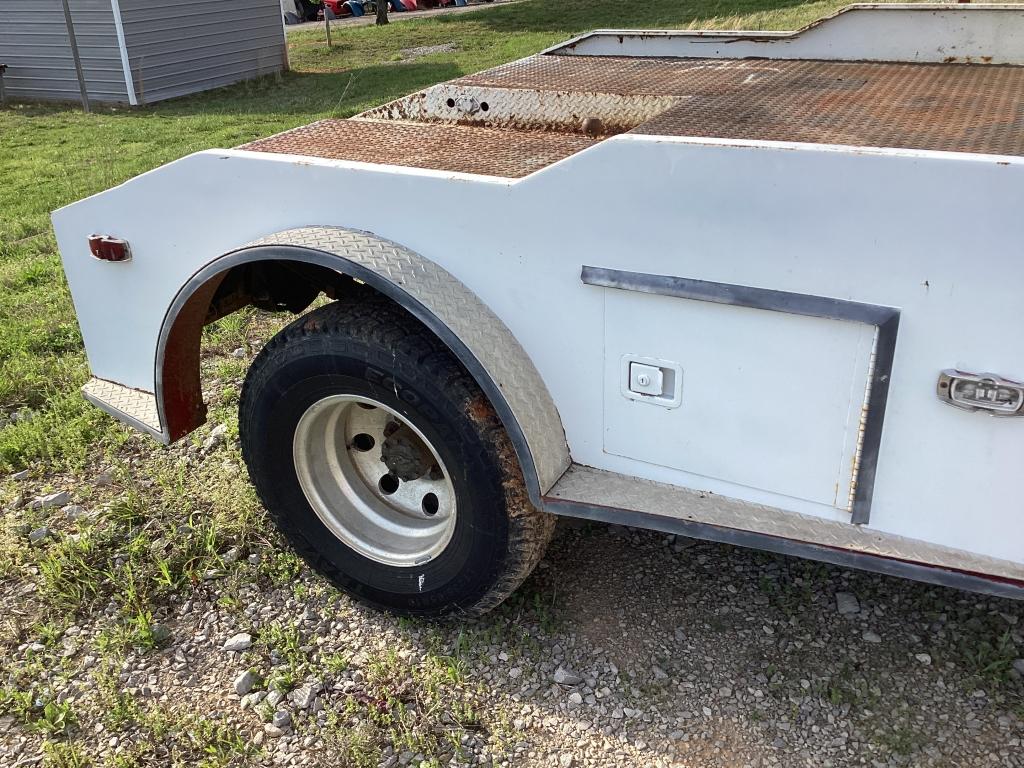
(426, 50)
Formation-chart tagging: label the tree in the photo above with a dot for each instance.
(382, 11)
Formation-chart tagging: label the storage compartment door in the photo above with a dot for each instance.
(763, 399)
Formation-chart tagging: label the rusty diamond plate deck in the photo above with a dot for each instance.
(950, 107)
(465, 149)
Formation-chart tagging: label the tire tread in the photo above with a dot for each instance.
(386, 325)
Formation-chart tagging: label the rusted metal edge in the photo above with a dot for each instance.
(478, 149)
(603, 488)
(945, 576)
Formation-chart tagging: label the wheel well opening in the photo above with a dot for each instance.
(268, 285)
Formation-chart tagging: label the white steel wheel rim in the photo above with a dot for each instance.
(356, 461)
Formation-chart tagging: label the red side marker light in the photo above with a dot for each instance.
(106, 248)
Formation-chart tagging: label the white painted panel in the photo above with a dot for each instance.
(769, 400)
(979, 34)
(875, 226)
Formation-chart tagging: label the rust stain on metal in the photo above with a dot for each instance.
(179, 381)
(480, 410)
(951, 107)
(436, 146)
(548, 107)
(955, 108)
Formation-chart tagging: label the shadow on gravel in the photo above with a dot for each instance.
(722, 654)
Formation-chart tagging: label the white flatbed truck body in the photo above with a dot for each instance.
(711, 281)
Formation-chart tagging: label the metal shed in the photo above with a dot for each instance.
(134, 51)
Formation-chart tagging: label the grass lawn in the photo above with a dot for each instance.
(54, 155)
(165, 517)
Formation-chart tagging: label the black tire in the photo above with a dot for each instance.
(377, 350)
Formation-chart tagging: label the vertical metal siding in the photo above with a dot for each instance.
(179, 47)
(34, 45)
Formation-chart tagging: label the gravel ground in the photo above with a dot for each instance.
(625, 648)
(150, 616)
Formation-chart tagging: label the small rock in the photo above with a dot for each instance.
(58, 499)
(217, 435)
(515, 672)
(282, 719)
(245, 682)
(871, 637)
(847, 603)
(231, 556)
(565, 760)
(73, 512)
(304, 696)
(23, 475)
(924, 658)
(274, 698)
(576, 698)
(160, 633)
(659, 673)
(103, 479)
(39, 535)
(239, 642)
(273, 731)
(565, 677)
(239, 353)
(1019, 666)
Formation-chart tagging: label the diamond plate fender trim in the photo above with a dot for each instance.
(460, 319)
(134, 407)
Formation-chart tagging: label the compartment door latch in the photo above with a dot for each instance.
(650, 380)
